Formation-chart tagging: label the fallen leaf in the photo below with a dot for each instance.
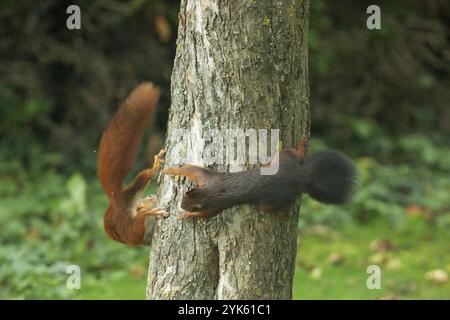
(393, 264)
(380, 245)
(335, 258)
(323, 231)
(163, 29)
(137, 270)
(378, 258)
(34, 233)
(316, 273)
(438, 276)
(414, 210)
(319, 230)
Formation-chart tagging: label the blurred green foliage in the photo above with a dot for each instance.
(332, 264)
(50, 221)
(391, 190)
(380, 96)
(396, 78)
(58, 87)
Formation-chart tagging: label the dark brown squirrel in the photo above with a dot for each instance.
(327, 176)
(124, 219)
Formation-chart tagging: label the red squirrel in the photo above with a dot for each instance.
(327, 176)
(124, 219)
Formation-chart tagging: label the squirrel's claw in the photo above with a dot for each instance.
(146, 207)
(185, 215)
(196, 214)
(170, 171)
(148, 202)
(154, 212)
(161, 154)
(158, 159)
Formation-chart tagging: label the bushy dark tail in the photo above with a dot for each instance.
(331, 177)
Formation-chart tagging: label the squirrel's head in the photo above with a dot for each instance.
(193, 200)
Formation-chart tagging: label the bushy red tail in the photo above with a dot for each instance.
(121, 139)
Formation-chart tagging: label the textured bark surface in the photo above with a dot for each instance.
(239, 64)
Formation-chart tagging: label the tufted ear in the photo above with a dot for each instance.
(302, 146)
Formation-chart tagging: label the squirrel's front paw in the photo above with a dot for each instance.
(171, 171)
(147, 202)
(146, 207)
(159, 159)
(185, 215)
(153, 212)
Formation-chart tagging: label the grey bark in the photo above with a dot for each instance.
(239, 64)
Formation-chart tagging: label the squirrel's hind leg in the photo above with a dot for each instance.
(198, 175)
(141, 181)
(146, 207)
(152, 212)
(135, 233)
(158, 160)
(197, 214)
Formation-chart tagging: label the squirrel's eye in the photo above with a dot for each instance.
(192, 192)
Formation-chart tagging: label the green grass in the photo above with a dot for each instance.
(123, 285)
(53, 220)
(418, 248)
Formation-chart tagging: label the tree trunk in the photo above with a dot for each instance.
(239, 64)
